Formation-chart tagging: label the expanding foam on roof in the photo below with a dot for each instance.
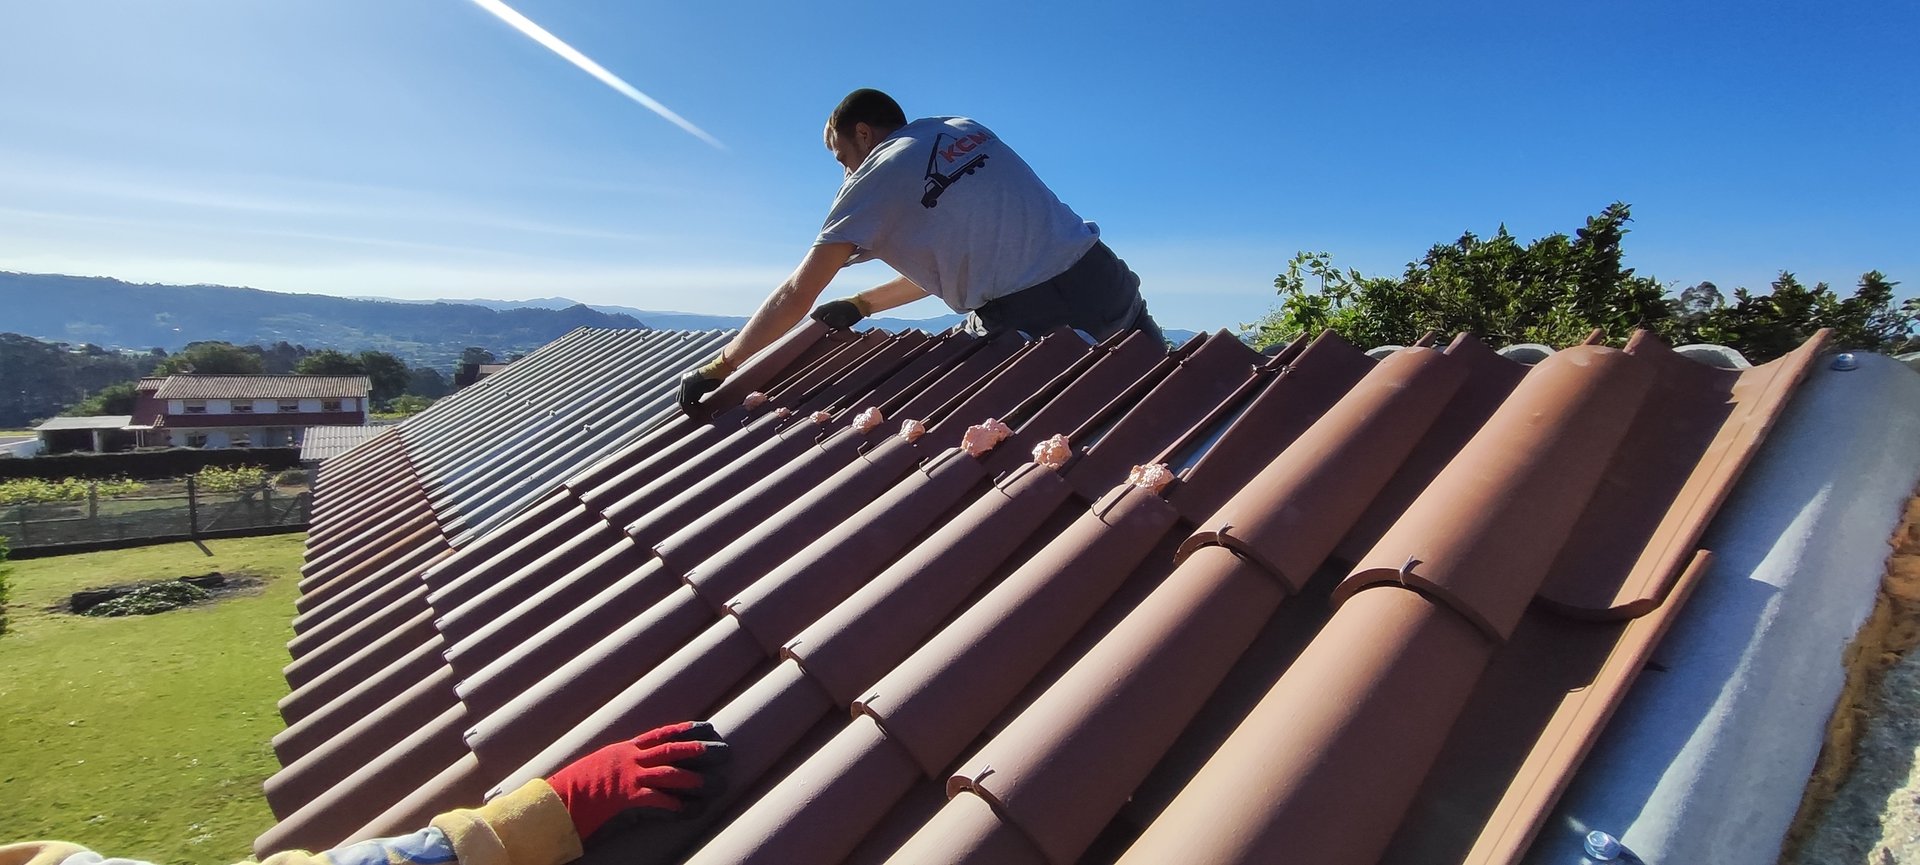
(931, 631)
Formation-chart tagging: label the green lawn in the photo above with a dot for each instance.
(144, 736)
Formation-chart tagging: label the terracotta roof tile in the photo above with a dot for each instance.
(1081, 665)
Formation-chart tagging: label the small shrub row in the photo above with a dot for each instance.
(147, 465)
(29, 491)
(216, 479)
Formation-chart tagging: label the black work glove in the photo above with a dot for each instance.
(702, 381)
(842, 313)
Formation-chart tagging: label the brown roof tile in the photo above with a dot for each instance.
(1018, 635)
(1522, 485)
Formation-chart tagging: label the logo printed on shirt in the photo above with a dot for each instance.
(952, 158)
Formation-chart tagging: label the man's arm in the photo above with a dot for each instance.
(847, 311)
(899, 291)
(788, 303)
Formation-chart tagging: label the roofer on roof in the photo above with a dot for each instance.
(652, 776)
(961, 217)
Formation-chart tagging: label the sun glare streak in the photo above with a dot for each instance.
(539, 34)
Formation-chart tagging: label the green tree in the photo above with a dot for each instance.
(328, 361)
(387, 374)
(1557, 289)
(475, 354)
(427, 382)
(1554, 290)
(407, 405)
(281, 357)
(213, 358)
(112, 399)
(41, 379)
(1765, 326)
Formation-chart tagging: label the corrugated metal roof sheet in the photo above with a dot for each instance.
(89, 422)
(1431, 574)
(263, 387)
(327, 442)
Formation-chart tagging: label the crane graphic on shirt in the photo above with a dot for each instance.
(952, 158)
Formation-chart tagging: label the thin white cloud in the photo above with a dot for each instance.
(301, 198)
(567, 52)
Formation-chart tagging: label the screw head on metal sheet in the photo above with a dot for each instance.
(1845, 361)
(1602, 847)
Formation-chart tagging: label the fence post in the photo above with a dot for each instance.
(93, 501)
(266, 495)
(193, 510)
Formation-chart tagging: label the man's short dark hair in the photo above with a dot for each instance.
(868, 106)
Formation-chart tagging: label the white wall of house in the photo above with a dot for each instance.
(219, 437)
(261, 406)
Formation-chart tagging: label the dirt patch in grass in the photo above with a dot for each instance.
(203, 588)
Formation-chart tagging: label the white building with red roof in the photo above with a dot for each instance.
(221, 411)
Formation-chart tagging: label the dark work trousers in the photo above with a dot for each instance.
(1098, 296)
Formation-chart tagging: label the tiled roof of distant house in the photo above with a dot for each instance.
(264, 387)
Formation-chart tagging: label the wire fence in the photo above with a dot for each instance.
(158, 512)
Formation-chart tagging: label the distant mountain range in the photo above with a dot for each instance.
(669, 320)
(116, 314)
(693, 321)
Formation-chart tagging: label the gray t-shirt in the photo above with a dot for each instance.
(951, 207)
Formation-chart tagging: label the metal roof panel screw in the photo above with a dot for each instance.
(1602, 847)
(1845, 361)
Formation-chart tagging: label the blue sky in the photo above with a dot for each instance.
(423, 148)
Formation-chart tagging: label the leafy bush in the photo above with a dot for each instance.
(28, 491)
(292, 478)
(1766, 326)
(147, 600)
(214, 479)
(1553, 291)
(407, 405)
(119, 487)
(1557, 289)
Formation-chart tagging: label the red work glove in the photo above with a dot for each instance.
(650, 776)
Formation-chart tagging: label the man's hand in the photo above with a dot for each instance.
(702, 381)
(843, 313)
(650, 776)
